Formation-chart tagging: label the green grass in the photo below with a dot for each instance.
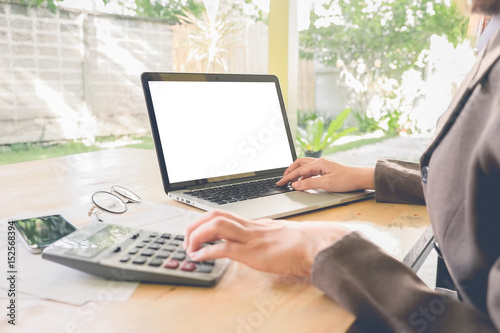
(146, 143)
(22, 152)
(355, 144)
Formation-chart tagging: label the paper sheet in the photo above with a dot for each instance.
(45, 279)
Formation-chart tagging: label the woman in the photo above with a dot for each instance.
(459, 177)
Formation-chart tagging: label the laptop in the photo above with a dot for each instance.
(223, 140)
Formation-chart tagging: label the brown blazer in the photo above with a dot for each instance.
(459, 176)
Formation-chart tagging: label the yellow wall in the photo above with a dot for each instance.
(278, 43)
(284, 53)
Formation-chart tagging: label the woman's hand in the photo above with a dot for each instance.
(333, 177)
(274, 246)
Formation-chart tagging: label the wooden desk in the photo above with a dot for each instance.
(244, 301)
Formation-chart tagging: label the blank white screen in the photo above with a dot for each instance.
(212, 129)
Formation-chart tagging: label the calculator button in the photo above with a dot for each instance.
(166, 236)
(163, 254)
(161, 241)
(179, 256)
(204, 268)
(179, 237)
(125, 259)
(153, 235)
(133, 251)
(147, 240)
(209, 262)
(140, 260)
(188, 266)
(156, 262)
(147, 253)
(140, 245)
(172, 264)
(175, 242)
(154, 246)
(118, 249)
(134, 236)
(169, 248)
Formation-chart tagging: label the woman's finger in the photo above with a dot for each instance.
(307, 171)
(296, 164)
(312, 183)
(204, 218)
(218, 228)
(227, 249)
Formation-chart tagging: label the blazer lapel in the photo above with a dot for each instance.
(491, 55)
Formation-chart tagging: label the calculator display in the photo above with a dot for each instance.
(93, 244)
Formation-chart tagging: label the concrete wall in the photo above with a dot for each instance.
(117, 50)
(71, 74)
(331, 96)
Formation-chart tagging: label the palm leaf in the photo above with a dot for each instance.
(337, 123)
(316, 129)
(337, 136)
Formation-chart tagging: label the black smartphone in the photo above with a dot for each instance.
(39, 232)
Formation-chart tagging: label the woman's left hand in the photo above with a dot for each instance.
(274, 246)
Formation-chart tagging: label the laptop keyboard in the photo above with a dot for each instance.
(241, 191)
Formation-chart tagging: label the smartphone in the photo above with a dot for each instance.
(39, 232)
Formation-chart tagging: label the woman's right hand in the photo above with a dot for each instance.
(321, 173)
(275, 246)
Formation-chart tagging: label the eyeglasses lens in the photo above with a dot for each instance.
(126, 193)
(109, 202)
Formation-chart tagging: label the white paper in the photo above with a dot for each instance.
(45, 279)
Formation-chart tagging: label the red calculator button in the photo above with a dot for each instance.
(172, 264)
(188, 266)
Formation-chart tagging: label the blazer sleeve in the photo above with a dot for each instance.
(385, 295)
(398, 182)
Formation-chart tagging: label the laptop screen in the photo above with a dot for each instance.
(214, 128)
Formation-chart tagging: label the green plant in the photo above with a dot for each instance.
(396, 122)
(305, 115)
(167, 10)
(22, 152)
(393, 122)
(370, 42)
(366, 123)
(315, 138)
(387, 36)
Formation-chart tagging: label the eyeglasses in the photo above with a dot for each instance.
(114, 201)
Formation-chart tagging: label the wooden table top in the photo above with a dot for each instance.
(245, 300)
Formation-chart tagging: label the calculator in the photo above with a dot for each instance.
(121, 253)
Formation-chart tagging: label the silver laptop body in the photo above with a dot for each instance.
(216, 130)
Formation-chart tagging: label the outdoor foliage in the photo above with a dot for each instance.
(315, 138)
(304, 115)
(208, 39)
(168, 10)
(51, 4)
(386, 36)
(393, 122)
(373, 42)
(162, 9)
(366, 124)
